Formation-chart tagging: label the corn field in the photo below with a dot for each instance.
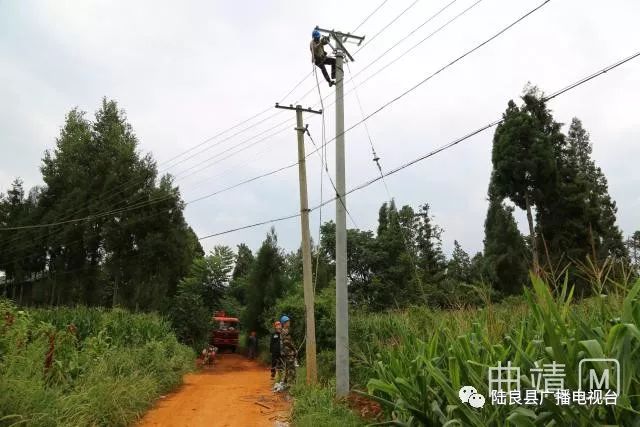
(414, 364)
(84, 366)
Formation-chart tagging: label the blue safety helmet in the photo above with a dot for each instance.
(284, 319)
(315, 34)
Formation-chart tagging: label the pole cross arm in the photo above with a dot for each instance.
(298, 107)
(342, 38)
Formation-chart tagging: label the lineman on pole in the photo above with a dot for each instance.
(320, 58)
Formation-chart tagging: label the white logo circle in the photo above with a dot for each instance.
(465, 392)
(476, 400)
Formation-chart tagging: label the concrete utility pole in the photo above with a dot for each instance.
(312, 370)
(342, 295)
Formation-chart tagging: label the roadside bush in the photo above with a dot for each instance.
(106, 370)
(293, 306)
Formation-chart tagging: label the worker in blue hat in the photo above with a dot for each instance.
(320, 58)
(289, 352)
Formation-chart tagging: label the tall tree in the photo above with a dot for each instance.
(633, 246)
(477, 269)
(244, 261)
(428, 241)
(361, 250)
(266, 282)
(600, 208)
(505, 262)
(524, 167)
(395, 282)
(459, 266)
(136, 254)
(241, 270)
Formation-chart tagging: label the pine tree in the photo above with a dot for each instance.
(477, 269)
(504, 248)
(266, 283)
(239, 277)
(429, 256)
(523, 158)
(244, 261)
(394, 275)
(600, 208)
(633, 246)
(133, 257)
(459, 266)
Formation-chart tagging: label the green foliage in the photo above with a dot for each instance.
(293, 306)
(266, 283)
(600, 208)
(316, 406)
(505, 253)
(417, 378)
(105, 373)
(133, 258)
(633, 246)
(523, 156)
(402, 264)
(536, 165)
(459, 266)
(428, 242)
(190, 317)
(238, 285)
(200, 294)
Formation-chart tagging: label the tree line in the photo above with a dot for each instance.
(148, 258)
(134, 258)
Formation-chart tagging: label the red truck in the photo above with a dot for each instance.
(225, 331)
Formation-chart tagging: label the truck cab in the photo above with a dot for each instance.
(225, 333)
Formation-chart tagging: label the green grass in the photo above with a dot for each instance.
(414, 361)
(106, 373)
(316, 406)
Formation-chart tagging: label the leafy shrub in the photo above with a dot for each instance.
(104, 371)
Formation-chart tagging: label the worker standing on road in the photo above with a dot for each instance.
(320, 58)
(289, 352)
(253, 345)
(275, 347)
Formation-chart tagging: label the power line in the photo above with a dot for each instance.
(403, 94)
(254, 143)
(216, 136)
(459, 58)
(372, 38)
(442, 27)
(142, 203)
(369, 16)
(431, 153)
(121, 188)
(376, 159)
(443, 147)
(308, 75)
(220, 142)
(433, 33)
(330, 179)
(257, 224)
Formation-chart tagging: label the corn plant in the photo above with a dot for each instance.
(84, 366)
(418, 381)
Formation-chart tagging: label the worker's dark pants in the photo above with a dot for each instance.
(327, 61)
(276, 364)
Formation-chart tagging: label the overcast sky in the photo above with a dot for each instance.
(185, 71)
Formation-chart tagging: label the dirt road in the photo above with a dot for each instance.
(235, 392)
